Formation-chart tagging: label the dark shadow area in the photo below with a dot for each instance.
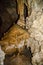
(25, 13)
(24, 58)
(27, 52)
(8, 19)
(0, 27)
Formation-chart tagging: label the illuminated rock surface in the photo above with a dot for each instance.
(14, 38)
(2, 56)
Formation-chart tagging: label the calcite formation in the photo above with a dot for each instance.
(2, 56)
(35, 28)
(21, 12)
(14, 39)
(17, 37)
(37, 35)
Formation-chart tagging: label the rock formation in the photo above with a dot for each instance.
(14, 39)
(35, 26)
(22, 11)
(27, 32)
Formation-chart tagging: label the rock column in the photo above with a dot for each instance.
(21, 12)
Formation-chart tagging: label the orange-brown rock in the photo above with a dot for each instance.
(12, 39)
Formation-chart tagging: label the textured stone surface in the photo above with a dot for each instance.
(17, 38)
(2, 56)
(14, 38)
(35, 28)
